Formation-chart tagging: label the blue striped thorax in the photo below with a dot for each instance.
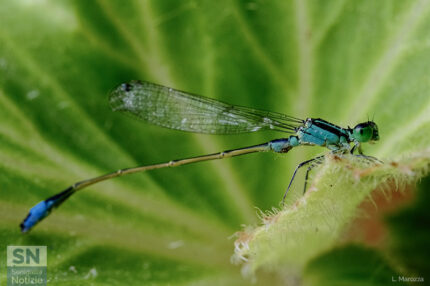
(320, 132)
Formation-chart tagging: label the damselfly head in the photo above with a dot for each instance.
(366, 132)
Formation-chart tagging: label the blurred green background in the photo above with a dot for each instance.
(340, 60)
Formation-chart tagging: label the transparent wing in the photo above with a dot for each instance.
(179, 110)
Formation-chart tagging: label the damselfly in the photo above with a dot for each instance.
(180, 110)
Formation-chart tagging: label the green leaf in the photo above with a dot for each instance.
(410, 233)
(350, 265)
(290, 237)
(338, 60)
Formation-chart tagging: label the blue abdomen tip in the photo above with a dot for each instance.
(36, 213)
(42, 209)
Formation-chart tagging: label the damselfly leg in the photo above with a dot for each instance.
(295, 172)
(318, 161)
(369, 158)
(314, 162)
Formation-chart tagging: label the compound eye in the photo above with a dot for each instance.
(363, 133)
